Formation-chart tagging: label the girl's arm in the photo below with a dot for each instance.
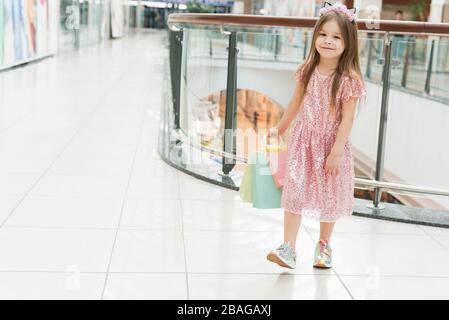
(344, 130)
(292, 108)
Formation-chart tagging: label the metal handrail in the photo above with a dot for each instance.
(400, 187)
(371, 25)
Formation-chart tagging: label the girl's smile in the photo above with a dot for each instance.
(329, 42)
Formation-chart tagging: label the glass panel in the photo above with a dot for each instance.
(256, 46)
(286, 44)
(401, 46)
(421, 66)
(265, 86)
(364, 133)
(417, 126)
(295, 44)
(371, 47)
(409, 62)
(440, 70)
(203, 87)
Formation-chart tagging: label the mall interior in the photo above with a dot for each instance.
(117, 180)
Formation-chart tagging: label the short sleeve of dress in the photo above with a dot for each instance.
(352, 87)
(299, 73)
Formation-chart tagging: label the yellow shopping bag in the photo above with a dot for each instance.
(246, 190)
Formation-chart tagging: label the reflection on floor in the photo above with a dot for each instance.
(89, 211)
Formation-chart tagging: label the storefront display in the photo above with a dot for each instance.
(24, 31)
(33, 29)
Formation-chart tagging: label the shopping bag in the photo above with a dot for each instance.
(278, 165)
(277, 159)
(265, 195)
(245, 190)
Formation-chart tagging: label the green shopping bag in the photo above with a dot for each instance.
(245, 190)
(265, 193)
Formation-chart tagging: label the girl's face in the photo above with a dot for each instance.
(329, 42)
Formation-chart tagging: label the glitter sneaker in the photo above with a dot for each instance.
(284, 256)
(323, 255)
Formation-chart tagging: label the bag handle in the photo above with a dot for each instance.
(280, 146)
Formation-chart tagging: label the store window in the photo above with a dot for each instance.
(25, 32)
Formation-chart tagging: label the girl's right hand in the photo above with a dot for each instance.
(273, 132)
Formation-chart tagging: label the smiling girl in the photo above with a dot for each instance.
(319, 180)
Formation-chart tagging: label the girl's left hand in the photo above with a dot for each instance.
(332, 166)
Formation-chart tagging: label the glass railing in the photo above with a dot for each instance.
(203, 86)
(411, 55)
(240, 78)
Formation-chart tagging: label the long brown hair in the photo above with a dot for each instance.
(349, 59)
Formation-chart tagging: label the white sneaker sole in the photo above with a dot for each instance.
(322, 265)
(273, 257)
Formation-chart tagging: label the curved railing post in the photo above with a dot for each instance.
(383, 121)
(277, 46)
(370, 50)
(429, 68)
(229, 143)
(210, 46)
(305, 48)
(406, 64)
(176, 38)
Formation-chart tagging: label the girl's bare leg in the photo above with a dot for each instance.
(326, 229)
(323, 252)
(291, 226)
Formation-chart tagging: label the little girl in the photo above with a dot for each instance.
(319, 180)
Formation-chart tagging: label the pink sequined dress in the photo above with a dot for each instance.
(307, 189)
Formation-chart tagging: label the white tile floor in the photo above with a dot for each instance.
(89, 211)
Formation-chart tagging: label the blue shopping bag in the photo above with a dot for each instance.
(265, 193)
